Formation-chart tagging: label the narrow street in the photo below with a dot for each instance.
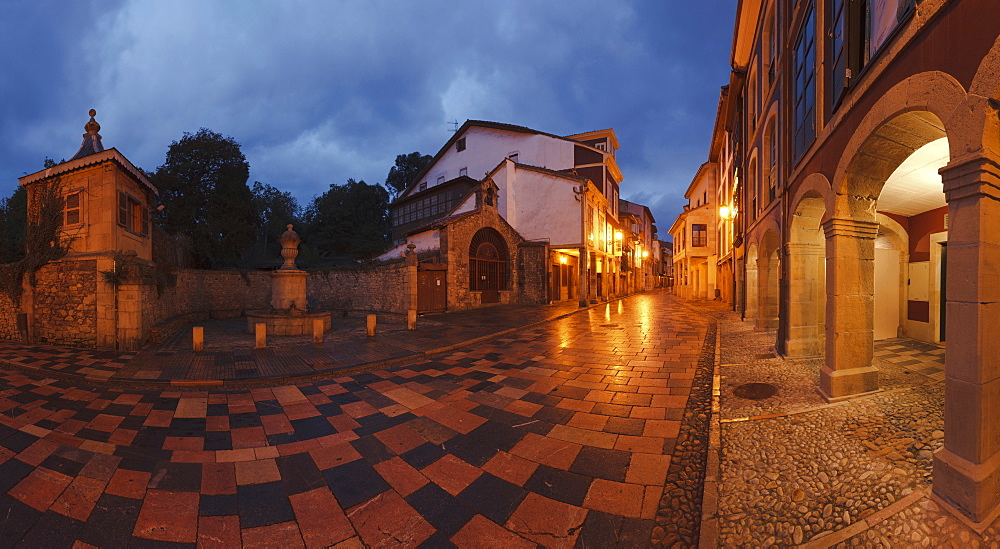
(587, 430)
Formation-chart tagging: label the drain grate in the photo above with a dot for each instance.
(755, 391)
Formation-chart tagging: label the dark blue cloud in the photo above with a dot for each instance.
(318, 92)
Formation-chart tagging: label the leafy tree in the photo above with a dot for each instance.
(350, 220)
(276, 209)
(13, 220)
(406, 168)
(203, 188)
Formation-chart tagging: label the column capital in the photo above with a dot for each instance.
(850, 227)
(966, 177)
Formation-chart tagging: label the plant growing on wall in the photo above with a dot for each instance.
(44, 240)
(128, 268)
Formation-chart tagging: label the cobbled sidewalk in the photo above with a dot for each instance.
(561, 434)
(794, 470)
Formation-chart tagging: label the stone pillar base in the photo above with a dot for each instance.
(973, 490)
(836, 385)
(803, 348)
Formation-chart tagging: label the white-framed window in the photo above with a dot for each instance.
(440, 179)
(460, 145)
(463, 172)
(423, 186)
(513, 156)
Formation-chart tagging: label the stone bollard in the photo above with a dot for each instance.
(371, 325)
(260, 330)
(317, 330)
(198, 338)
(411, 319)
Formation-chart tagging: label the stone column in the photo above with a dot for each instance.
(584, 286)
(411, 277)
(804, 285)
(850, 300)
(967, 468)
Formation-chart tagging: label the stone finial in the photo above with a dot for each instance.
(92, 127)
(91, 140)
(289, 248)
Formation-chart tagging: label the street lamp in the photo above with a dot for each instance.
(727, 212)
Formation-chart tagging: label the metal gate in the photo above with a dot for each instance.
(488, 265)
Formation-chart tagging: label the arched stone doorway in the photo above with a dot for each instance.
(752, 306)
(890, 290)
(854, 245)
(806, 335)
(768, 273)
(488, 264)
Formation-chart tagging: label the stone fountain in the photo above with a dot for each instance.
(288, 314)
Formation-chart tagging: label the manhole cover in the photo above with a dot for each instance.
(755, 391)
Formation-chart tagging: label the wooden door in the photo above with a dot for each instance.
(432, 291)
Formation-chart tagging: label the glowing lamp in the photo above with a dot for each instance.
(726, 212)
(645, 253)
(618, 235)
(562, 259)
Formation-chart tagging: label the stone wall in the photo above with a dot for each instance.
(65, 303)
(223, 294)
(216, 294)
(8, 319)
(382, 289)
(532, 273)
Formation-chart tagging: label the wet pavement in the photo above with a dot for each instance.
(230, 355)
(563, 432)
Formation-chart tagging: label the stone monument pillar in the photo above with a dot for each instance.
(288, 283)
(288, 314)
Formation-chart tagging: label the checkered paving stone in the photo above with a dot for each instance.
(559, 434)
(915, 356)
(230, 355)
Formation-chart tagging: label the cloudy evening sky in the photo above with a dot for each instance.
(319, 92)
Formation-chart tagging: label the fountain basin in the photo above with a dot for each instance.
(281, 323)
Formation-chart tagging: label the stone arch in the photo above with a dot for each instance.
(489, 261)
(916, 111)
(892, 236)
(806, 269)
(768, 274)
(752, 306)
(986, 87)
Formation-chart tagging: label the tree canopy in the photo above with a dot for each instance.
(406, 168)
(203, 188)
(276, 209)
(350, 220)
(13, 220)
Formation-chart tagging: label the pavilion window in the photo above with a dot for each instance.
(132, 215)
(71, 209)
